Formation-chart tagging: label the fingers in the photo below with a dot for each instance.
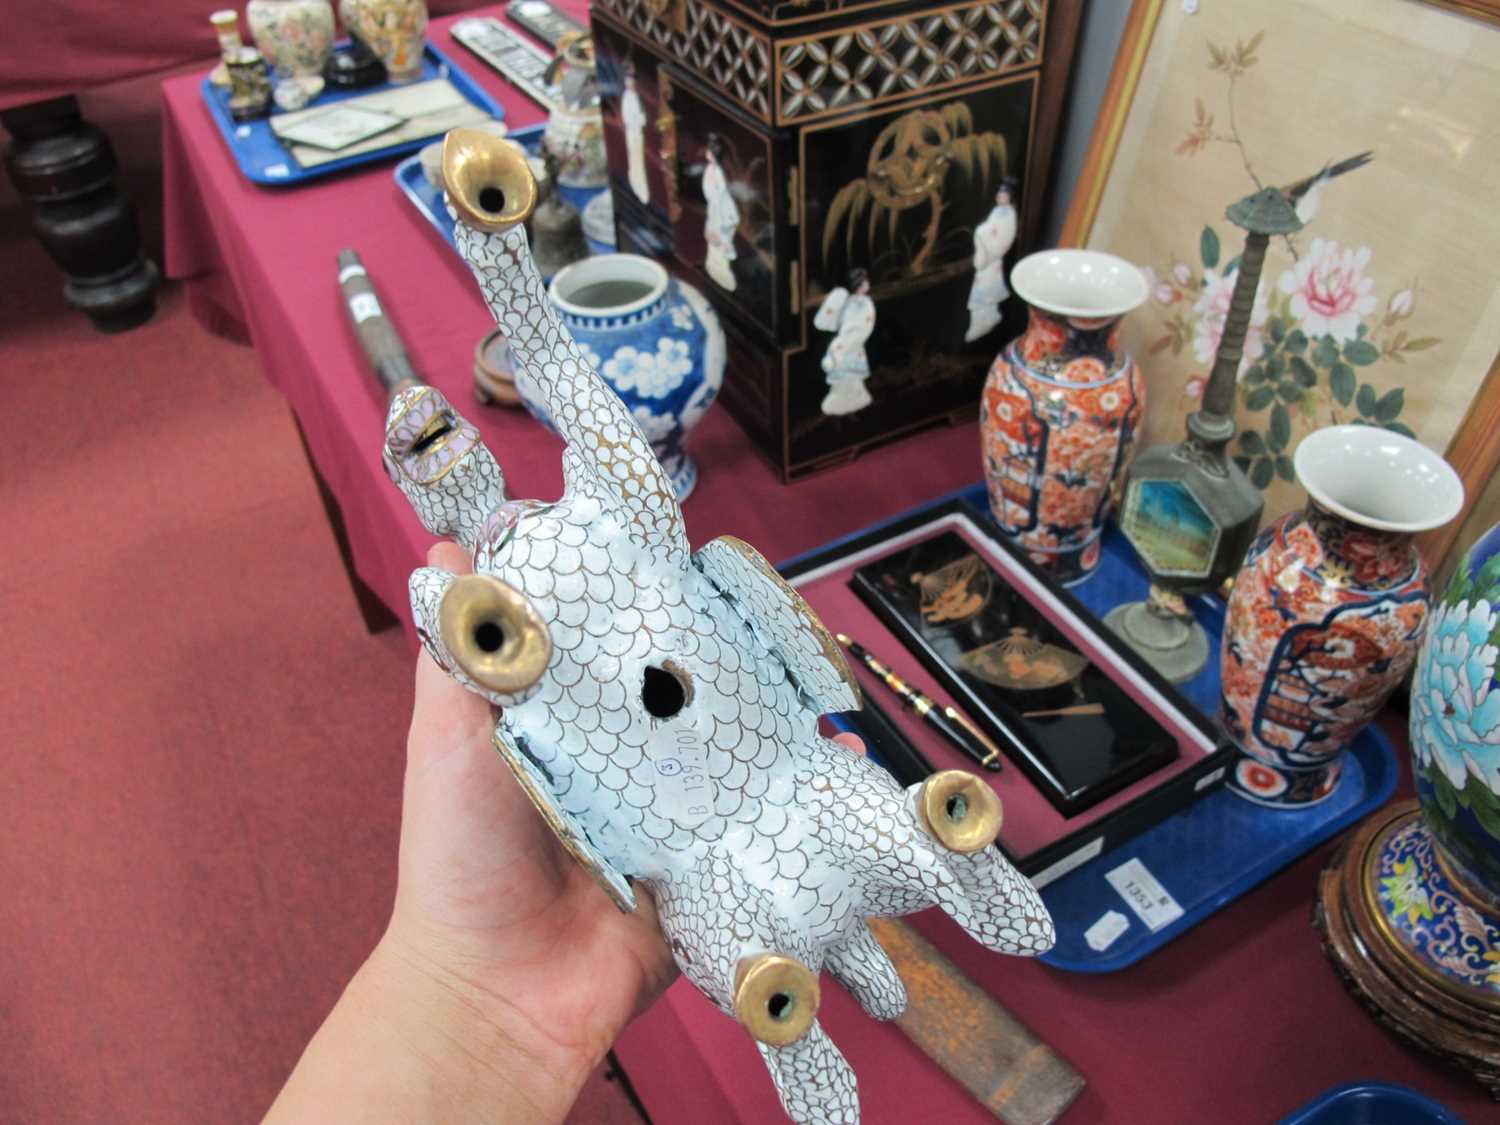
(850, 739)
(445, 712)
(449, 556)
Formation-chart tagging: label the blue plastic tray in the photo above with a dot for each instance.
(428, 200)
(1217, 848)
(264, 160)
(1372, 1103)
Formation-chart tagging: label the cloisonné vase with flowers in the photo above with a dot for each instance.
(1434, 879)
(1062, 407)
(1328, 609)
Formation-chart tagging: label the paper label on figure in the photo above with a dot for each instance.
(1102, 934)
(1144, 893)
(684, 791)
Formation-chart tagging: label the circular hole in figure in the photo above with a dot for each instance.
(489, 637)
(663, 693)
(492, 199)
(780, 1005)
(957, 807)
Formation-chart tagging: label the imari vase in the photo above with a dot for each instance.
(1062, 407)
(1328, 609)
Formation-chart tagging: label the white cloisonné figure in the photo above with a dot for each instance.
(850, 315)
(723, 215)
(660, 706)
(993, 239)
(633, 117)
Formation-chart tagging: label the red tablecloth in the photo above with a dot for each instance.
(1239, 1020)
(64, 46)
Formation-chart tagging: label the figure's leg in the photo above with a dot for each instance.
(861, 966)
(815, 1083)
(907, 857)
(732, 943)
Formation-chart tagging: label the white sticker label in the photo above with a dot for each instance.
(363, 306)
(278, 171)
(1144, 894)
(1068, 863)
(1208, 779)
(1102, 934)
(684, 791)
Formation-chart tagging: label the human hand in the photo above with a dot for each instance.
(505, 973)
(490, 904)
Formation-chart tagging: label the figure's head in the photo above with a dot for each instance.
(715, 147)
(859, 282)
(1007, 193)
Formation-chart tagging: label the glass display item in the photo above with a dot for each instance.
(1189, 510)
(1327, 611)
(1062, 406)
(295, 37)
(660, 705)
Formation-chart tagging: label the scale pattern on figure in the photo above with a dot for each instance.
(755, 835)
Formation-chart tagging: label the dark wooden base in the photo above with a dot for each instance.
(64, 168)
(1381, 978)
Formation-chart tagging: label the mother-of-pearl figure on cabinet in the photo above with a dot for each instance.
(723, 215)
(633, 118)
(993, 239)
(850, 315)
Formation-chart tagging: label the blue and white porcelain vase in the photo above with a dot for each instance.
(654, 339)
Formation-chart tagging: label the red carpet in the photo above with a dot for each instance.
(201, 799)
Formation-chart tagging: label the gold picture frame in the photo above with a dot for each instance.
(1207, 101)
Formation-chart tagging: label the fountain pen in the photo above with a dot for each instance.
(946, 720)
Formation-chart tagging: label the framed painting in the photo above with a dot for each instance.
(1385, 309)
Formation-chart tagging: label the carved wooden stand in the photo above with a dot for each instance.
(64, 167)
(1384, 978)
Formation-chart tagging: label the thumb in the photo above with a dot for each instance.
(445, 714)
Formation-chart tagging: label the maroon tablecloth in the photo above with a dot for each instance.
(64, 46)
(1239, 1020)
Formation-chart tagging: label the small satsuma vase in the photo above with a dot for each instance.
(1062, 406)
(1328, 609)
(394, 30)
(1435, 880)
(654, 339)
(295, 37)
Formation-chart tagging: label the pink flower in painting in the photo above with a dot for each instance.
(1401, 304)
(1212, 308)
(1162, 292)
(1182, 273)
(1329, 290)
(1193, 388)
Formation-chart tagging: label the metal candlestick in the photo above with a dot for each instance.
(1189, 511)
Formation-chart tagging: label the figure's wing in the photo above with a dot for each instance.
(572, 836)
(783, 621)
(827, 319)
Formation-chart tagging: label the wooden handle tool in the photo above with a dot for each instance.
(998, 1059)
